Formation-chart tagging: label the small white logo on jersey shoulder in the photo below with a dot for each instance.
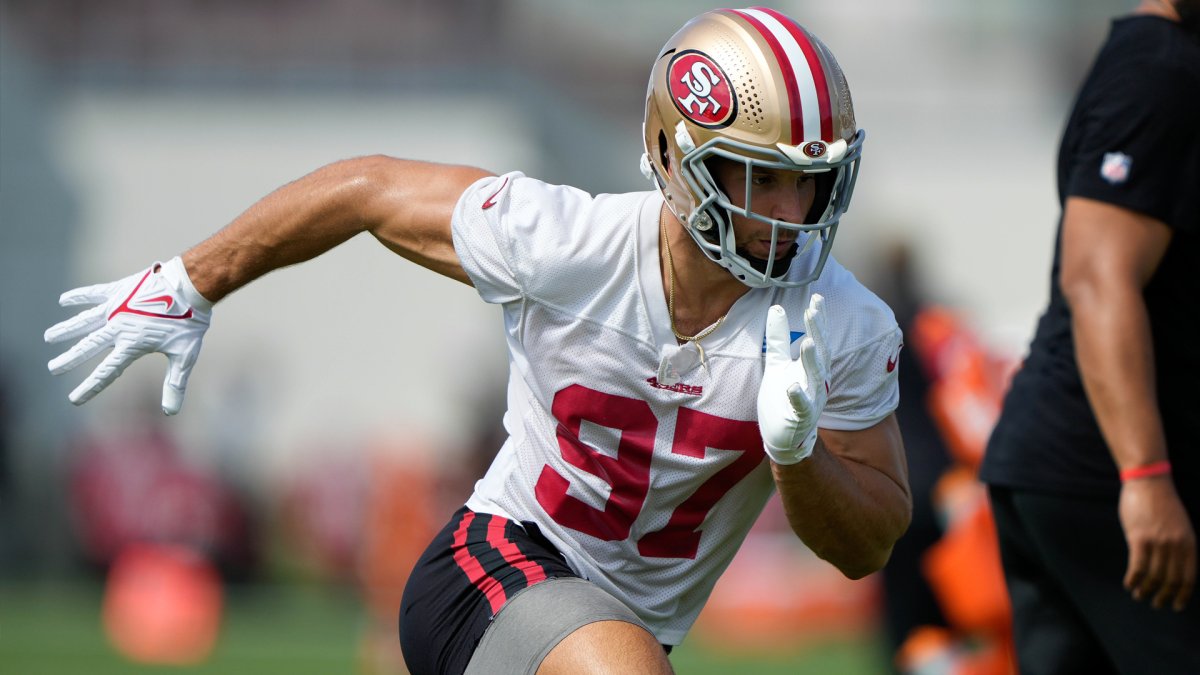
(1115, 167)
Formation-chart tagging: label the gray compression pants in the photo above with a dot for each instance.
(535, 620)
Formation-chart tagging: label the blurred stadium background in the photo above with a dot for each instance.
(341, 409)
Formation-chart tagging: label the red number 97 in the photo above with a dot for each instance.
(628, 473)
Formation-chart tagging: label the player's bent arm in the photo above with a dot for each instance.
(849, 502)
(405, 204)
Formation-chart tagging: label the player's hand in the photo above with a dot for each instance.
(155, 310)
(793, 392)
(1162, 543)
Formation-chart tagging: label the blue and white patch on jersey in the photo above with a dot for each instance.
(1115, 167)
(796, 335)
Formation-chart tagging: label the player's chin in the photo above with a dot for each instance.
(783, 259)
(759, 249)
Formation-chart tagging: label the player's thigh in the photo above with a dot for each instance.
(471, 571)
(567, 626)
(607, 648)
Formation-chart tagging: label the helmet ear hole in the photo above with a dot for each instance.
(664, 154)
(821, 202)
(714, 164)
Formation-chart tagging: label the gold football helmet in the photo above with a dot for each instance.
(754, 87)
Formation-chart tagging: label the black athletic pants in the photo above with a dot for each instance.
(1064, 563)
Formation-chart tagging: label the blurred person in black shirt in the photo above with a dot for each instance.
(1094, 466)
(908, 601)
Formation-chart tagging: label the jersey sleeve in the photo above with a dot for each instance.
(1138, 149)
(864, 342)
(864, 384)
(519, 237)
(482, 241)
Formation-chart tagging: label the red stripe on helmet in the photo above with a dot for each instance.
(814, 66)
(789, 77)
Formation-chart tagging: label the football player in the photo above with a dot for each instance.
(677, 356)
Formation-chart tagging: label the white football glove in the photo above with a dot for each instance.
(793, 392)
(155, 310)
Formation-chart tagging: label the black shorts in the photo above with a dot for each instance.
(474, 565)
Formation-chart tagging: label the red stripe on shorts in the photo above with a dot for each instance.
(474, 571)
(495, 536)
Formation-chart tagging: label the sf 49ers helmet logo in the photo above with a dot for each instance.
(700, 90)
(815, 149)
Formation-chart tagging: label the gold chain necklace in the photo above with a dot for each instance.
(671, 301)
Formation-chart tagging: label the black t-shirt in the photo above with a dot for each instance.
(1132, 140)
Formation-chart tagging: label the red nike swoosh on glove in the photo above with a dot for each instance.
(166, 300)
(491, 201)
(125, 308)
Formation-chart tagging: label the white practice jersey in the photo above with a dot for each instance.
(642, 465)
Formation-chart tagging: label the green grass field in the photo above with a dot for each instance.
(55, 629)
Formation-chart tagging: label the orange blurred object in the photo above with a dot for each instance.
(933, 650)
(963, 568)
(967, 383)
(966, 392)
(401, 516)
(162, 605)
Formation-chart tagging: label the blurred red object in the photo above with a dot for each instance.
(135, 486)
(320, 513)
(162, 605)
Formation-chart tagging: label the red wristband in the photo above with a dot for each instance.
(1160, 468)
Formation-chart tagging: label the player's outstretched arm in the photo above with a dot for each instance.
(167, 307)
(405, 204)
